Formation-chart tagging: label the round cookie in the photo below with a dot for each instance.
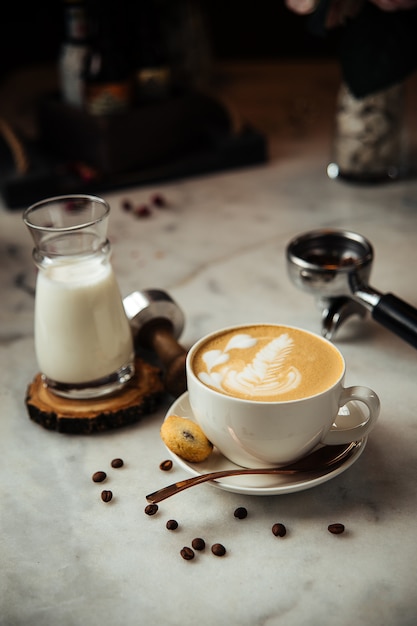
(185, 438)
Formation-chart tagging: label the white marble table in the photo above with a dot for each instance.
(218, 249)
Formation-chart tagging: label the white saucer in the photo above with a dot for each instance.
(257, 485)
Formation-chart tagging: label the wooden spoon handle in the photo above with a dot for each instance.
(158, 336)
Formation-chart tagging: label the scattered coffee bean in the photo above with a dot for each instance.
(218, 549)
(98, 477)
(151, 509)
(70, 206)
(127, 205)
(241, 512)
(142, 211)
(187, 553)
(106, 495)
(279, 530)
(165, 466)
(158, 200)
(336, 529)
(172, 524)
(198, 543)
(116, 463)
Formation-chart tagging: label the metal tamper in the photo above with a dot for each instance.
(157, 322)
(334, 266)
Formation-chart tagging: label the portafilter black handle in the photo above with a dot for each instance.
(397, 316)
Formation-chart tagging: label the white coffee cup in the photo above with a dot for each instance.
(267, 394)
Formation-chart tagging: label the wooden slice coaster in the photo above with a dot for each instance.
(139, 397)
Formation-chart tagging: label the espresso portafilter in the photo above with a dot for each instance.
(334, 266)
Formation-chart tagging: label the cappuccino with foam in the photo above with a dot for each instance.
(267, 394)
(267, 363)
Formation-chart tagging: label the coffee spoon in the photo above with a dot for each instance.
(317, 461)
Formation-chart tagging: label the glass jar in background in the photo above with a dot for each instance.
(369, 141)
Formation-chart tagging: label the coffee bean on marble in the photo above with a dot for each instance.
(106, 495)
(218, 549)
(172, 524)
(336, 529)
(158, 200)
(127, 205)
(142, 210)
(116, 463)
(279, 530)
(98, 477)
(151, 509)
(241, 512)
(187, 553)
(198, 543)
(165, 466)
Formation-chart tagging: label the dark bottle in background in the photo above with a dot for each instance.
(73, 52)
(186, 36)
(151, 70)
(107, 70)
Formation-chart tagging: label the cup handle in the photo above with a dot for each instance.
(336, 435)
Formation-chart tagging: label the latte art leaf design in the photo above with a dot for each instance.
(267, 366)
(240, 341)
(214, 357)
(267, 374)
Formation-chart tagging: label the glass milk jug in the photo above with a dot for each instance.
(83, 340)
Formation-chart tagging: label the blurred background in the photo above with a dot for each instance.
(237, 29)
(166, 89)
